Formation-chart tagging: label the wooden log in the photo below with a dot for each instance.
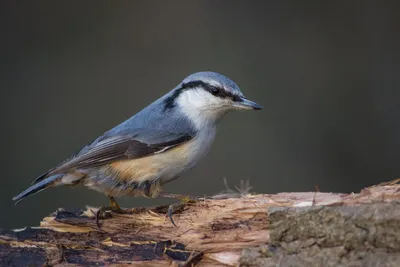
(286, 229)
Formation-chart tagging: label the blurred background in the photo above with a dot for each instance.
(327, 74)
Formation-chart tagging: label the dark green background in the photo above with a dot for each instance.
(327, 74)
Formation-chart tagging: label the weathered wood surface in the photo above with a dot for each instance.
(286, 229)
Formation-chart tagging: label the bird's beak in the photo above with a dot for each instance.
(244, 103)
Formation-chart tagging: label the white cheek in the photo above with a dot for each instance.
(200, 99)
(201, 107)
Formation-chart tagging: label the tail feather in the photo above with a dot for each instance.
(40, 177)
(39, 186)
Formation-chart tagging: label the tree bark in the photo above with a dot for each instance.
(286, 229)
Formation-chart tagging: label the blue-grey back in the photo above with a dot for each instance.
(156, 117)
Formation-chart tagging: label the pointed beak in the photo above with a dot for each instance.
(244, 103)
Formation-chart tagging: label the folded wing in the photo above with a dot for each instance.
(108, 149)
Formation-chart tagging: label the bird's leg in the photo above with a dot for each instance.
(174, 207)
(113, 204)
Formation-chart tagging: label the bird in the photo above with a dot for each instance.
(153, 147)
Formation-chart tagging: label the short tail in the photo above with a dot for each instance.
(36, 188)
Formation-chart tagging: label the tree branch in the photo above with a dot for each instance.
(290, 229)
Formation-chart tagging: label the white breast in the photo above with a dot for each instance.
(184, 157)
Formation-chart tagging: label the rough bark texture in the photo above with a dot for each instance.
(286, 229)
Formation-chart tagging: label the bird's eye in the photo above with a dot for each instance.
(214, 90)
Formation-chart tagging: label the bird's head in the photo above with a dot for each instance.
(204, 97)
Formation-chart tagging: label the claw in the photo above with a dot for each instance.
(171, 210)
(114, 207)
(183, 201)
(97, 219)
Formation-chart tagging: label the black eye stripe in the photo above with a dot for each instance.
(219, 92)
(194, 84)
(214, 90)
(236, 98)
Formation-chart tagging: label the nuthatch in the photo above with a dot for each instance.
(153, 147)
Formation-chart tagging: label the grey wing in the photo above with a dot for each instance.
(107, 149)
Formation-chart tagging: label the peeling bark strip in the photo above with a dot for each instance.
(286, 229)
(42, 246)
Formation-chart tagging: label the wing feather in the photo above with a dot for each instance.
(105, 150)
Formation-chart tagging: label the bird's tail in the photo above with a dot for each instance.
(51, 181)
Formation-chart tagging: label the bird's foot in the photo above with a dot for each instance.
(173, 208)
(189, 200)
(105, 212)
(184, 200)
